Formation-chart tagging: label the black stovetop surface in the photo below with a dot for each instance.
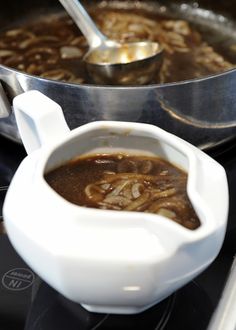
(27, 303)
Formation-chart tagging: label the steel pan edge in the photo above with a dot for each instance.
(201, 111)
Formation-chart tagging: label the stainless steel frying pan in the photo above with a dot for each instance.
(202, 111)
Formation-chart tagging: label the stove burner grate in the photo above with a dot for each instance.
(188, 308)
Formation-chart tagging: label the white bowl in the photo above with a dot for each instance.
(109, 261)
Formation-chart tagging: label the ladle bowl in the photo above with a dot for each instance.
(200, 110)
(110, 62)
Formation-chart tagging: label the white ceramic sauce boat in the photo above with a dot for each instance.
(109, 261)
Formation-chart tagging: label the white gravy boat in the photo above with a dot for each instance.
(108, 261)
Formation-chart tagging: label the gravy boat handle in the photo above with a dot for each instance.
(39, 119)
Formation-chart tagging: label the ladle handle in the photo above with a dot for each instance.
(40, 120)
(80, 16)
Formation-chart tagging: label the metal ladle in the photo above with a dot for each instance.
(110, 62)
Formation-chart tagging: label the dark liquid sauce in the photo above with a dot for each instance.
(53, 47)
(121, 182)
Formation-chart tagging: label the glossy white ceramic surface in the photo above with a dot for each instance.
(109, 261)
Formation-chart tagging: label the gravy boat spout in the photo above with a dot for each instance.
(109, 261)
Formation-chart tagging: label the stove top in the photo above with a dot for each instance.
(27, 303)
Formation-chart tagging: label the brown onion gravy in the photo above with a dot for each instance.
(126, 182)
(53, 47)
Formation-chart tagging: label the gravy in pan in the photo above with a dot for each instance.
(123, 182)
(53, 47)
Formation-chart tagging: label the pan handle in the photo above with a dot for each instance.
(224, 317)
(5, 107)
